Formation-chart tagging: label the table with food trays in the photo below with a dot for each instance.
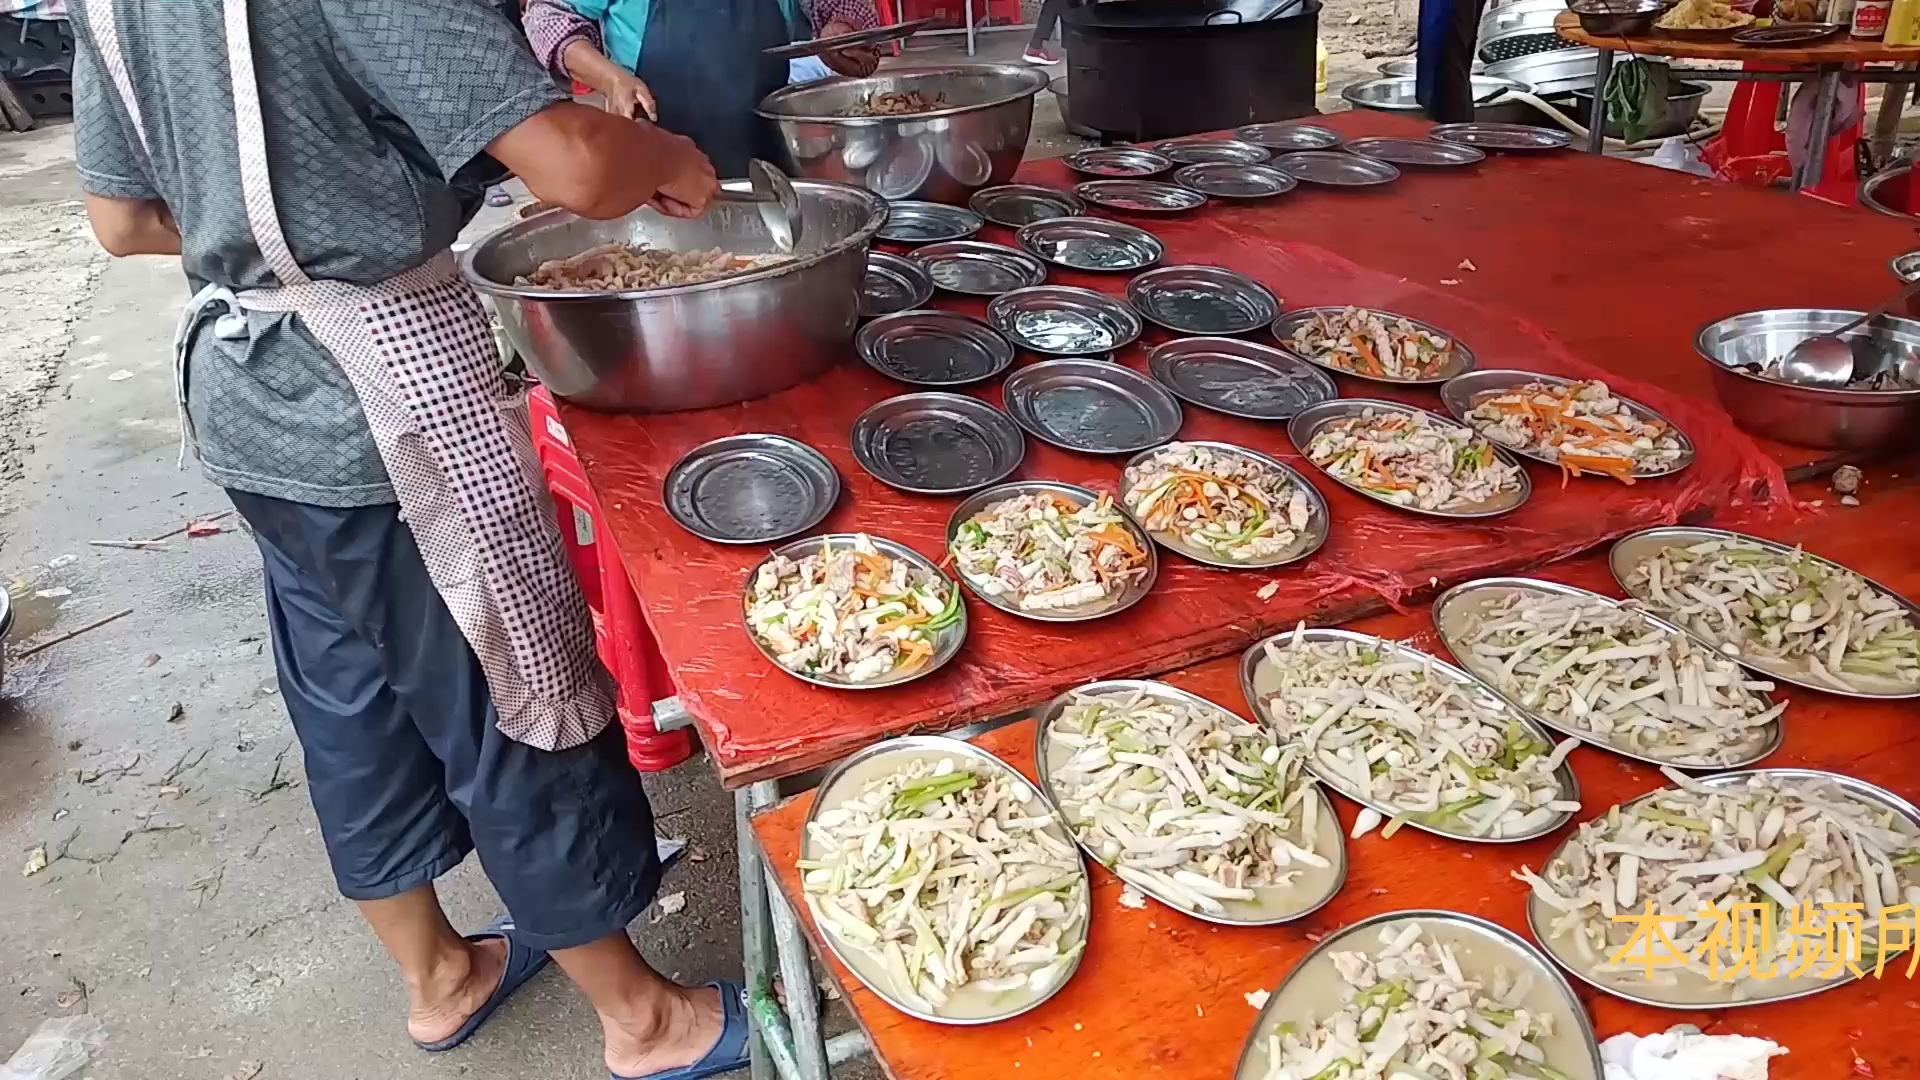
(1560, 265)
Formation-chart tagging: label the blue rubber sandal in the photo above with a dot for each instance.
(730, 1053)
(522, 964)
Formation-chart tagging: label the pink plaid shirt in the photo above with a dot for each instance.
(552, 26)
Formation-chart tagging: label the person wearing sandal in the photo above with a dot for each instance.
(311, 162)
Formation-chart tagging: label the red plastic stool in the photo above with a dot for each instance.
(1752, 149)
(625, 644)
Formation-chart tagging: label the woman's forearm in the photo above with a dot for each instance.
(589, 65)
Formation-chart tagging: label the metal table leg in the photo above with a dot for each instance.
(756, 943)
(1597, 113)
(1826, 95)
(796, 970)
(968, 4)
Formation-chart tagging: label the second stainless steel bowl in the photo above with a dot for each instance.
(1808, 415)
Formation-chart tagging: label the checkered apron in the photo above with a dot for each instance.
(454, 436)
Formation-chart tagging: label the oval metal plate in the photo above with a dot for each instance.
(1331, 168)
(1118, 161)
(1310, 540)
(1286, 137)
(1630, 551)
(946, 644)
(1539, 918)
(1095, 244)
(930, 347)
(1059, 320)
(1518, 955)
(893, 284)
(1239, 377)
(750, 489)
(1140, 196)
(1502, 136)
(973, 268)
(1019, 205)
(1420, 153)
(1200, 150)
(1482, 695)
(1207, 300)
(1455, 606)
(1284, 327)
(1091, 406)
(1303, 427)
(844, 781)
(1460, 393)
(911, 222)
(1228, 181)
(1131, 595)
(1279, 904)
(937, 444)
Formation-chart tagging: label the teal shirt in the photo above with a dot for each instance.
(623, 24)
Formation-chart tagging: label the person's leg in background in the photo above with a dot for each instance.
(1037, 50)
(1449, 32)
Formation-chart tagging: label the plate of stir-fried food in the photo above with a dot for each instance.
(1744, 858)
(1369, 344)
(1579, 426)
(1052, 552)
(944, 880)
(1411, 737)
(1780, 610)
(1224, 505)
(854, 611)
(1208, 813)
(1617, 677)
(634, 267)
(1422, 995)
(1410, 458)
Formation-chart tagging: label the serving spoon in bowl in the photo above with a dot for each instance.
(1827, 359)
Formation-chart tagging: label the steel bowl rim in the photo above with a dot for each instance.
(788, 444)
(1089, 298)
(1569, 781)
(1292, 317)
(1318, 536)
(1689, 451)
(1107, 367)
(1131, 233)
(1140, 283)
(1175, 348)
(942, 654)
(1044, 716)
(1465, 589)
(1301, 421)
(864, 343)
(1352, 92)
(859, 238)
(1853, 785)
(1020, 72)
(942, 744)
(979, 501)
(1832, 395)
(958, 402)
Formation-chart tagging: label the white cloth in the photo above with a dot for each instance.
(1683, 1053)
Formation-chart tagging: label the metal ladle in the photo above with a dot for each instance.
(779, 206)
(1827, 360)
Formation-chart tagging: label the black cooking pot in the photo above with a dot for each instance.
(1152, 69)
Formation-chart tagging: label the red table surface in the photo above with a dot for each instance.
(1562, 263)
(1158, 994)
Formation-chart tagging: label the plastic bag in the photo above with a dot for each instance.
(58, 1048)
(1680, 154)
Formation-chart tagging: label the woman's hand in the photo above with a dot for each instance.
(859, 61)
(627, 95)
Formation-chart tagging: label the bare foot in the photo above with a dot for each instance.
(689, 1027)
(440, 1008)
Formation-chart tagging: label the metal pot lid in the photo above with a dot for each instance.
(1084, 243)
(937, 444)
(912, 222)
(1229, 181)
(1140, 196)
(1203, 300)
(1287, 136)
(1331, 168)
(979, 269)
(893, 284)
(1091, 406)
(1197, 150)
(1502, 136)
(750, 489)
(928, 347)
(1416, 152)
(1239, 378)
(1059, 320)
(1020, 205)
(1118, 161)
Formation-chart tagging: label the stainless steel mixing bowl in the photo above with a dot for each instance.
(1806, 415)
(975, 136)
(691, 346)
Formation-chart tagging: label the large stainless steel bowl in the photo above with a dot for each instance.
(1396, 95)
(1806, 415)
(1876, 190)
(975, 139)
(692, 346)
